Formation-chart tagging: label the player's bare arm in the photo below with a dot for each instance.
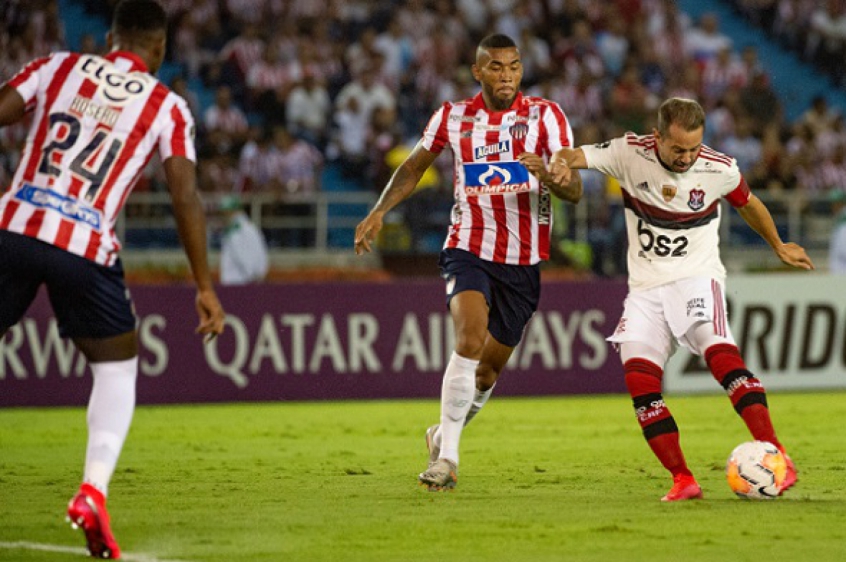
(191, 223)
(565, 186)
(12, 106)
(757, 216)
(400, 186)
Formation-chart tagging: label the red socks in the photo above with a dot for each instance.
(643, 379)
(746, 392)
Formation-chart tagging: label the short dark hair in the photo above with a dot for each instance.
(497, 41)
(685, 113)
(139, 16)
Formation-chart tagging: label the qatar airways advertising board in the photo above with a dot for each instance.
(318, 342)
(342, 341)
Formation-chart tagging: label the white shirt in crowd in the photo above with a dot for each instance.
(243, 252)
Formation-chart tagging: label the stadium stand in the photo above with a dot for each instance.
(364, 78)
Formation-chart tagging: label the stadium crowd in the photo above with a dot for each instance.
(300, 85)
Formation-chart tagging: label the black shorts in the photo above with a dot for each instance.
(512, 291)
(89, 300)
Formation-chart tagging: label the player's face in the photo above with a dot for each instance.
(679, 149)
(500, 72)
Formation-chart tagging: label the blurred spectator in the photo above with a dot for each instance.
(268, 82)
(243, 249)
(244, 50)
(225, 123)
(308, 111)
(536, 57)
(818, 117)
(217, 173)
(760, 103)
(397, 52)
(294, 168)
(630, 102)
(743, 145)
(723, 72)
(613, 45)
(180, 86)
(826, 42)
(578, 53)
(704, 41)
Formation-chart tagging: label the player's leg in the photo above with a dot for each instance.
(494, 357)
(644, 374)
(93, 308)
(513, 293)
(644, 340)
(707, 333)
(747, 394)
(469, 311)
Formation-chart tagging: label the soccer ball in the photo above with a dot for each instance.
(755, 470)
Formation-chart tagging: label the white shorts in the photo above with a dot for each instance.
(665, 316)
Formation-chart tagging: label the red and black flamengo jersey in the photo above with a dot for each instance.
(502, 213)
(96, 123)
(672, 219)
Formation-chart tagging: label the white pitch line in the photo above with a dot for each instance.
(24, 545)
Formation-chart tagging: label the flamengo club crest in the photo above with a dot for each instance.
(697, 199)
(668, 192)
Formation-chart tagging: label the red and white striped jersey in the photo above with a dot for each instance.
(672, 219)
(97, 121)
(502, 213)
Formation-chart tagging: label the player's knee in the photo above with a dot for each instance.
(469, 345)
(642, 377)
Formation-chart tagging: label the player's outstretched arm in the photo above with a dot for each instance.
(756, 215)
(400, 186)
(191, 223)
(12, 106)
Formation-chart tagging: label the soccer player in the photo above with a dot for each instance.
(500, 231)
(95, 123)
(672, 186)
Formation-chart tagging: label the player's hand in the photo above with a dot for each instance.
(794, 255)
(557, 172)
(366, 232)
(211, 315)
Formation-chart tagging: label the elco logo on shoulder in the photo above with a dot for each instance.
(115, 87)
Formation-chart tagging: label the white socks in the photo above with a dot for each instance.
(478, 401)
(110, 410)
(456, 398)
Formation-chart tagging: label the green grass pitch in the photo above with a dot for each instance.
(544, 479)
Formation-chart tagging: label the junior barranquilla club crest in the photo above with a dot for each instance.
(697, 199)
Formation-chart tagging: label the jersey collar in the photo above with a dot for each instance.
(137, 63)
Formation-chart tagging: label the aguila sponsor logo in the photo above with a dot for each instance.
(483, 151)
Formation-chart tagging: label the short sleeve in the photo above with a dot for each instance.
(606, 156)
(28, 80)
(559, 133)
(435, 136)
(177, 136)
